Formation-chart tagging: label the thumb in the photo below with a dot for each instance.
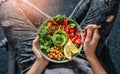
(35, 42)
(35, 47)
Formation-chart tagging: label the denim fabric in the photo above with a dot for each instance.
(97, 12)
(22, 31)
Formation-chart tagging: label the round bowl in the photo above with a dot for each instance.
(65, 60)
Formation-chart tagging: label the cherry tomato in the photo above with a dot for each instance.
(78, 41)
(73, 30)
(69, 35)
(78, 35)
(74, 39)
(67, 28)
(66, 21)
(72, 34)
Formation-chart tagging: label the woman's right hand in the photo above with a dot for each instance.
(90, 44)
(91, 40)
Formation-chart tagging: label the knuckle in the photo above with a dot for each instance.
(34, 42)
(87, 41)
(34, 49)
(98, 36)
(89, 32)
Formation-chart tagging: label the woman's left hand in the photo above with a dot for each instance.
(40, 63)
(37, 53)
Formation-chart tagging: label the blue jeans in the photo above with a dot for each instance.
(21, 30)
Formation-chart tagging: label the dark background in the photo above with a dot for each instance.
(114, 35)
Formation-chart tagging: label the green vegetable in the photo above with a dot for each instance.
(59, 18)
(43, 31)
(48, 50)
(60, 32)
(60, 38)
(45, 39)
(48, 37)
(72, 23)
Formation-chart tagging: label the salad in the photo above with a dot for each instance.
(60, 38)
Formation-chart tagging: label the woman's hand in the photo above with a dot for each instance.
(36, 51)
(91, 40)
(40, 62)
(90, 44)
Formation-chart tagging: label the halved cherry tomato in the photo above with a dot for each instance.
(72, 30)
(78, 35)
(78, 41)
(67, 28)
(66, 21)
(72, 34)
(74, 39)
(69, 36)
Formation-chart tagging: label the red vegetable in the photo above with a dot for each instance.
(70, 36)
(73, 30)
(78, 35)
(67, 28)
(73, 34)
(66, 21)
(78, 42)
(74, 39)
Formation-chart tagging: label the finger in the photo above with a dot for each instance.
(89, 34)
(96, 36)
(85, 33)
(36, 53)
(90, 25)
(35, 42)
(35, 47)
